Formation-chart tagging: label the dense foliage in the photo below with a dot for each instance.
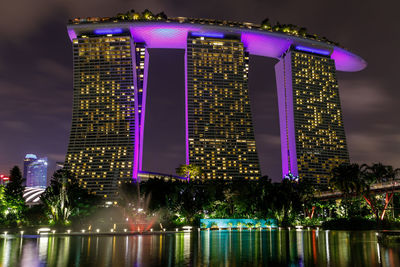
(184, 203)
(65, 200)
(177, 203)
(12, 204)
(355, 182)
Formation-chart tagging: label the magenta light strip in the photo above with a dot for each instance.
(186, 110)
(143, 112)
(108, 31)
(208, 34)
(136, 145)
(312, 50)
(71, 34)
(286, 116)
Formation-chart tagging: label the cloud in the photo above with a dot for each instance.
(370, 147)
(15, 126)
(53, 69)
(363, 96)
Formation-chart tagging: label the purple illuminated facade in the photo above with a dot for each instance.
(123, 98)
(313, 140)
(140, 67)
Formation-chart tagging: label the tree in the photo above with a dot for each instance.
(13, 195)
(65, 199)
(3, 204)
(188, 171)
(161, 16)
(56, 199)
(265, 24)
(354, 180)
(303, 31)
(15, 186)
(379, 173)
(347, 179)
(147, 14)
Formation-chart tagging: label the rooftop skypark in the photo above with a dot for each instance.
(266, 25)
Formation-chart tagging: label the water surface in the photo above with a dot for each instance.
(206, 248)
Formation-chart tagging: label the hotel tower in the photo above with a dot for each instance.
(220, 135)
(313, 140)
(107, 123)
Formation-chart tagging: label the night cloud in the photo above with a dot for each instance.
(363, 96)
(371, 148)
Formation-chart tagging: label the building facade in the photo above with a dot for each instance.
(108, 103)
(220, 136)
(111, 62)
(36, 173)
(311, 123)
(29, 158)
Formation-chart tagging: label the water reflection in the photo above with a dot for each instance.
(210, 248)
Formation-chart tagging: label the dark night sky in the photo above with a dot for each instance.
(36, 77)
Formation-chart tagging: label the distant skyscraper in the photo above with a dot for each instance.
(109, 100)
(29, 158)
(220, 136)
(312, 134)
(37, 173)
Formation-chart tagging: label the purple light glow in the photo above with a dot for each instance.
(143, 113)
(108, 31)
(136, 145)
(71, 34)
(186, 112)
(257, 42)
(265, 45)
(162, 36)
(286, 116)
(312, 50)
(347, 61)
(208, 34)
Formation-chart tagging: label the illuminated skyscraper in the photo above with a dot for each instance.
(29, 158)
(111, 62)
(106, 124)
(220, 136)
(36, 175)
(312, 134)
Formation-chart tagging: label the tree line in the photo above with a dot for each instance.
(178, 202)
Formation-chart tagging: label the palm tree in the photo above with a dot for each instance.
(347, 178)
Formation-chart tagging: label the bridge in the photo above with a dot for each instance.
(392, 186)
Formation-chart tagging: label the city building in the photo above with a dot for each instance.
(110, 82)
(313, 140)
(36, 175)
(109, 100)
(220, 135)
(29, 158)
